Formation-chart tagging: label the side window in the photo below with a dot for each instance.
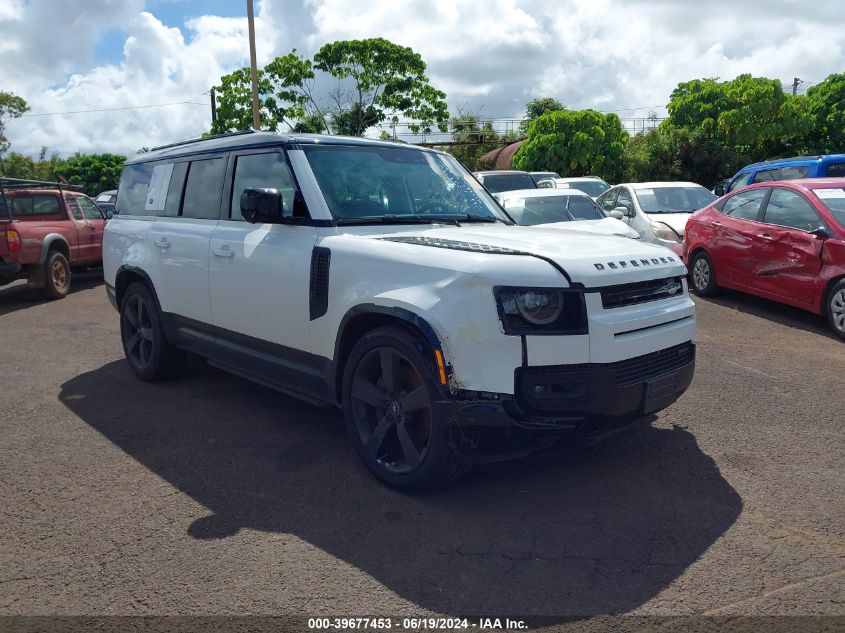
(835, 169)
(89, 209)
(745, 205)
(767, 175)
(34, 205)
(741, 181)
(267, 170)
(73, 205)
(175, 190)
(625, 200)
(157, 191)
(607, 200)
(792, 173)
(202, 190)
(791, 209)
(132, 190)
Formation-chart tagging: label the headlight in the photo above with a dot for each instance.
(664, 232)
(541, 310)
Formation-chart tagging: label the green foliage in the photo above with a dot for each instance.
(825, 104)
(11, 107)
(234, 103)
(355, 120)
(574, 143)
(389, 79)
(466, 128)
(311, 123)
(535, 108)
(93, 172)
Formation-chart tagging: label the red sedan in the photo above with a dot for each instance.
(780, 240)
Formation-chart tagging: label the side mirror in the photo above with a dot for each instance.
(822, 233)
(616, 213)
(624, 211)
(259, 206)
(721, 188)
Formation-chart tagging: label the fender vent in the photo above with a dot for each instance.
(319, 289)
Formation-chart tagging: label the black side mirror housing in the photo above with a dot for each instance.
(822, 233)
(266, 206)
(721, 188)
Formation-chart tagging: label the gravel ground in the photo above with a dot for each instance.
(211, 495)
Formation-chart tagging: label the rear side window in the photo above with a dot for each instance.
(793, 172)
(174, 190)
(202, 189)
(132, 190)
(835, 169)
(790, 209)
(745, 205)
(23, 206)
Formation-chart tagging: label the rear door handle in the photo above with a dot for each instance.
(162, 243)
(223, 251)
(764, 236)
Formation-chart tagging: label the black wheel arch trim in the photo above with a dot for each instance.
(127, 268)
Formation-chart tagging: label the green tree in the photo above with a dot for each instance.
(389, 80)
(234, 103)
(536, 108)
(574, 143)
(11, 107)
(826, 108)
(93, 172)
(481, 138)
(19, 166)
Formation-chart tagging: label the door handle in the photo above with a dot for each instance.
(765, 236)
(717, 223)
(223, 251)
(162, 243)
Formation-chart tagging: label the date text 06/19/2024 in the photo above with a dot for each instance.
(415, 624)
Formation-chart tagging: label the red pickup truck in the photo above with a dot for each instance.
(45, 230)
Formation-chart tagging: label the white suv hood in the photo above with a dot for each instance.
(604, 226)
(590, 259)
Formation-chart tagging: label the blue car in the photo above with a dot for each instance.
(830, 165)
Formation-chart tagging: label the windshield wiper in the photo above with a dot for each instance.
(388, 218)
(472, 217)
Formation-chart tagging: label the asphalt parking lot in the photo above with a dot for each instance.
(211, 495)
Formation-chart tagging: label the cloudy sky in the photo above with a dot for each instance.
(133, 73)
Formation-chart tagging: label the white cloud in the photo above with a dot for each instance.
(492, 56)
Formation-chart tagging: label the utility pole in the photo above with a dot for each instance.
(213, 108)
(795, 82)
(256, 116)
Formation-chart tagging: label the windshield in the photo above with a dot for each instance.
(547, 209)
(386, 183)
(543, 175)
(497, 183)
(834, 199)
(593, 188)
(673, 199)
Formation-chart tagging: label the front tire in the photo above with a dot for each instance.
(703, 275)
(389, 390)
(150, 356)
(835, 308)
(57, 276)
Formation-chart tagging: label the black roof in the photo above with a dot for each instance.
(251, 138)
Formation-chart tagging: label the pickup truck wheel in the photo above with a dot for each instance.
(151, 357)
(703, 275)
(388, 395)
(57, 271)
(835, 308)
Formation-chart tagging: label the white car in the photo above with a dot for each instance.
(657, 211)
(566, 209)
(383, 279)
(593, 186)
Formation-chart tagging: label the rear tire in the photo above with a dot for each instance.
(835, 308)
(389, 388)
(703, 275)
(57, 276)
(149, 354)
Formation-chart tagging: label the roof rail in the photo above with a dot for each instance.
(206, 138)
(26, 183)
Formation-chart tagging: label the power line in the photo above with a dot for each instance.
(151, 105)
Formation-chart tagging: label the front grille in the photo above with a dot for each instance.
(648, 366)
(641, 292)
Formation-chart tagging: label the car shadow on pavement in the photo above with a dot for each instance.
(19, 296)
(773, 311)
(581, 534)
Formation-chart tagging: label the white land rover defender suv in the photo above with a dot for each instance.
(382, 278)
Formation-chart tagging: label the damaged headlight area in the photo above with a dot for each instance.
(541, 310)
